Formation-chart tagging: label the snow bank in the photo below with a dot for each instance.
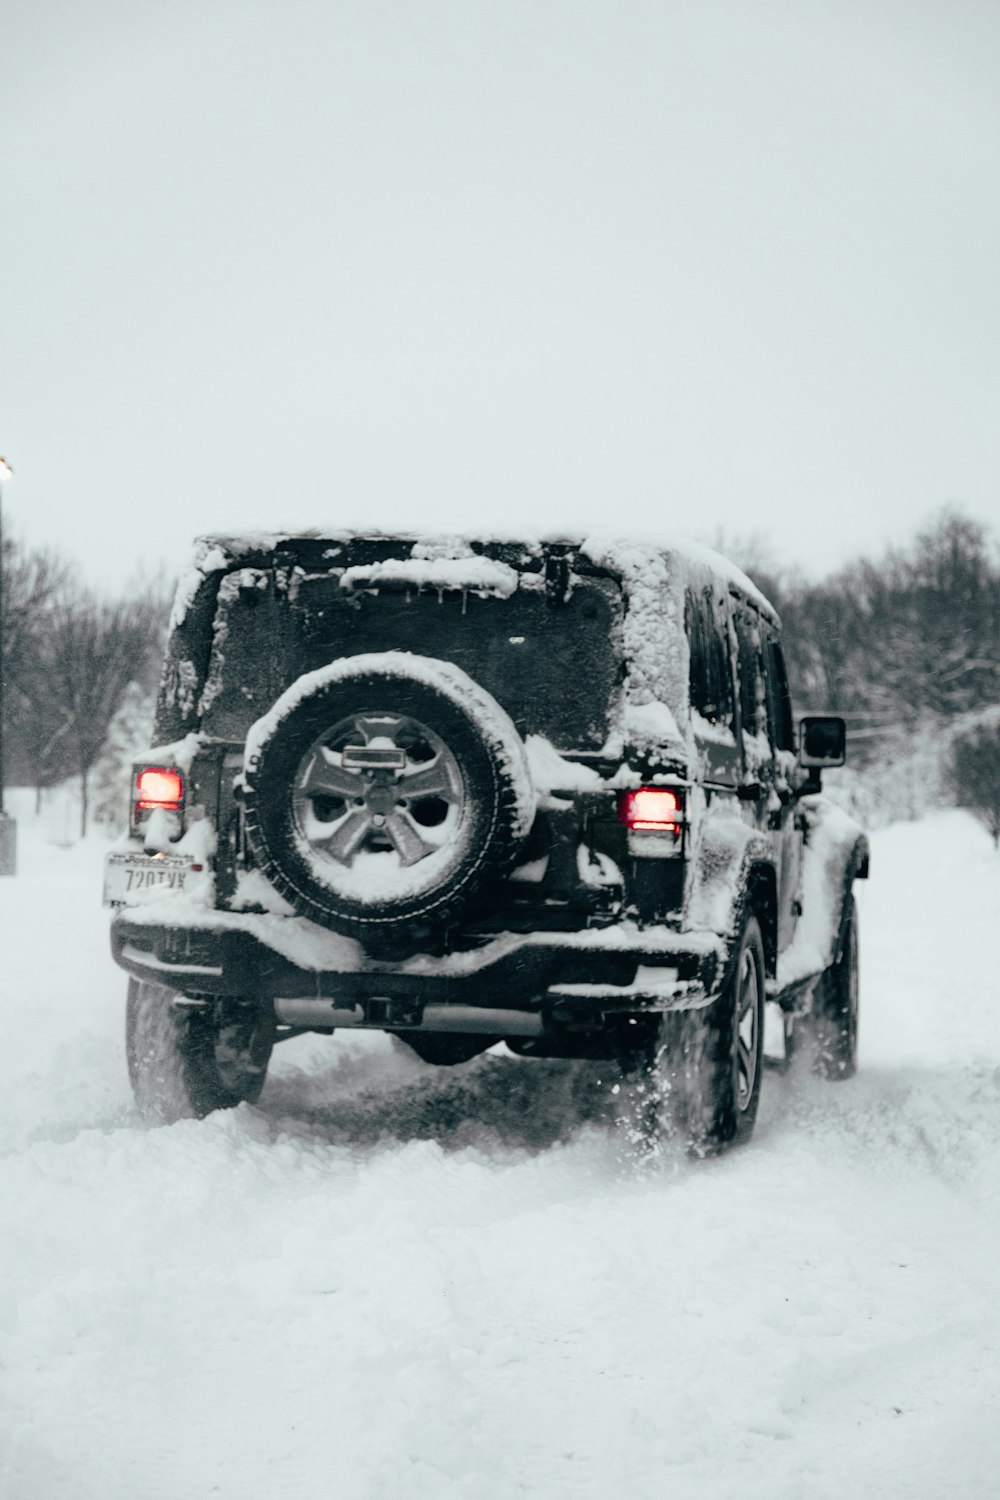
(395, 1280)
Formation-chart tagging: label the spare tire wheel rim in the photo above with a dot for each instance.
(378, 794)
(365, 817)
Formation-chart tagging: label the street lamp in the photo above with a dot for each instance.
(8, 828)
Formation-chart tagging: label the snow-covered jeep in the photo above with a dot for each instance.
(547, 793)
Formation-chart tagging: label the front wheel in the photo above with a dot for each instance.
(720, 1086)
(835, 1009)
(184, 1062)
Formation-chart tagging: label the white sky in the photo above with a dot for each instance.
(712, 265)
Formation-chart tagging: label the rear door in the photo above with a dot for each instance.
(766, 724)
(782, 814)
(713, 719)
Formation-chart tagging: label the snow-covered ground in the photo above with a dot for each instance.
(394, 1281)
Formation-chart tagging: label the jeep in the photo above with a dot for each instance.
(543, 792)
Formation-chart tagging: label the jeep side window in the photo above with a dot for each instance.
(779, 699)
(753, 693)
(711, 692)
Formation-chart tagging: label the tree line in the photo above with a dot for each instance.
(75, 661)
(908, 638)
(901, 645)
(907, 648)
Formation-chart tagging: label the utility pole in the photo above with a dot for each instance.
(8, 828)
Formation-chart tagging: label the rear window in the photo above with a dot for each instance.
(554, 667)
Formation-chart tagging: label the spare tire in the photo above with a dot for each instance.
(383, 791)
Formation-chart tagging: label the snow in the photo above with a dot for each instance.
(180, 754)
(394, 1280)
(716, 734)
(718, 848)
(552, 772)
(637, 553)
(474, 575)
(254, 891)
(159, 831)
(596, 869)
(651, 726)
(208, 557)
(656, 647)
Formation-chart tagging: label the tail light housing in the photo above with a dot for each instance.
(654, 817)
(157, 802)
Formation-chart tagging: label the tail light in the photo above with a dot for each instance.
(654, 817)
(158, 790)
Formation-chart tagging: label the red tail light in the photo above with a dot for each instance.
(158, 786)
(652, 809)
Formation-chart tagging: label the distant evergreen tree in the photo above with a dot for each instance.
(976, 762)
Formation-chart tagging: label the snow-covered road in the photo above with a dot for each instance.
(393, 1281)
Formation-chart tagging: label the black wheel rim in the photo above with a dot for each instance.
(747, 1030)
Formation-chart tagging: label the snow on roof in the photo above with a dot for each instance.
(208, 556)
(476, 575)
(620, 552)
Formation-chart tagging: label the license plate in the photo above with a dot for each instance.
(130, 877)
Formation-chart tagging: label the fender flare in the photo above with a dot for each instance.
(741, 859)
(836, 854)
(856, 867)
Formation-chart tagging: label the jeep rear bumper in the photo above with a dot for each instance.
(514, 983)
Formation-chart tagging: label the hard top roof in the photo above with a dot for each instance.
(620, 553)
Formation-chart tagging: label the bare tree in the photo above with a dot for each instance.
(32, 580)
(94, 650)
(69, 657)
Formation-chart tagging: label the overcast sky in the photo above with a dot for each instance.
(729, 266)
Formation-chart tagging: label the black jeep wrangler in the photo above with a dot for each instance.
(546, 792)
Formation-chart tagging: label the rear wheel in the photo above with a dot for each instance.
(186, 1061)
(702, 1082)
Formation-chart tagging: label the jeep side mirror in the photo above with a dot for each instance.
(822, 741)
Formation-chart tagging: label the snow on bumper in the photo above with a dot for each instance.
(569, 977)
